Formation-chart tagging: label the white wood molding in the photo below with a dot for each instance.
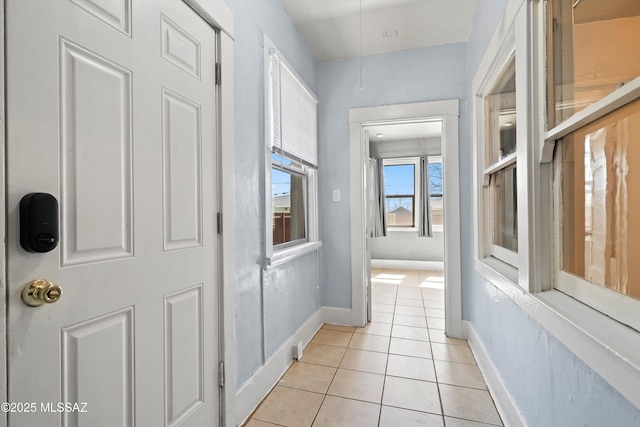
(3, 221)
(447, 111)
(407, 264)
(266, 377)
(507, 408)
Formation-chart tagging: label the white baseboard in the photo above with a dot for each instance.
(337, 316)
(266, 377)
(407, 264)
(511, 416)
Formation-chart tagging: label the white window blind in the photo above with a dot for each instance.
(294, 114)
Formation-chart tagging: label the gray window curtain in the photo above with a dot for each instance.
(424, 227)
(377, 216)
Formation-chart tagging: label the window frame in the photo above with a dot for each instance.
(510, 46)
(415, 161)
(605, 345)
(303, 173)
(282, 253)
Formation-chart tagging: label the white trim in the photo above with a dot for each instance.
(226, 281)
(3, 220)
(623, 308)
(285, 255)
(504, 254)
(607, 346)
(593, 112)
(266, 377)
(502, 164)
(407, 264)
(447, 111)
(216, 13)
(507, 408)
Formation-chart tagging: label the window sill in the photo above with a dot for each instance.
(497, 272)
(608, 347)
(286, 255)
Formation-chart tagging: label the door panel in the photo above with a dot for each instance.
(111, 109)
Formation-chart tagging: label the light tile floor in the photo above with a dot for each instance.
(400, 370)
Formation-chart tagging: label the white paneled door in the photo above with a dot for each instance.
(111, 109)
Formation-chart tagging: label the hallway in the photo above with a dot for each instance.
(398, 371)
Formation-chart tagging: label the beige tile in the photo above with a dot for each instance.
(308, 377)
(410, 281)
(382, 300)
(367, 361)
(460, 374)
(339, 412)
(429, 289)
(382, 317)
(289, 407)
(338, 327)
(409, 293)
(410, 348)
(395, 417)
(435, 302)
(383, 293)
(375, 328)
(326, 355)
(410, 333)
(469, 404)
(452, 353)
(382, 308)
(429, 297)
(438, 335)
(434, 323)
(411, 394)
(410, 272)
(357, 385)
(411, 367)
(329, 337)
(434, 312)
(457, 422)
(410, 311)
(257, 423)
(409, 302)
(406, 320)
(395, 271)
(370, 343)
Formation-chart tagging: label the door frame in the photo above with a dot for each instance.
(220, 17)
(448, 112)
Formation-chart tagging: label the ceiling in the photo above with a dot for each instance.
(332, 27)
(404, 131)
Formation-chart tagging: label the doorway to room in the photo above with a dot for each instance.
(426, 132)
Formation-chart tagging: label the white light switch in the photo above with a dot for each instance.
(336, 195)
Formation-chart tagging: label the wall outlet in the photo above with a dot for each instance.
(297, 351)
(336, 195)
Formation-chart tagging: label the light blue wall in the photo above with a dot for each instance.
(268, 311)
(549, 384)
(405, 245)
(416, 75)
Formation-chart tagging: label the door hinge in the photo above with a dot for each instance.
(218, 73)
(219, 221)
(221, 374)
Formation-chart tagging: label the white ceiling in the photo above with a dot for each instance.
(332, 27)
(404, 131)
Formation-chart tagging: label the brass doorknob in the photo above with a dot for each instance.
(41, 292)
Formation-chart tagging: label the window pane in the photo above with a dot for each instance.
(435, 192)
(601, 203)
(500, 116)
(288, 206)
(399, 180)
(594, 49)
(505, 208)
(400, 211)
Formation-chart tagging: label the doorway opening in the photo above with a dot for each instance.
(428, 129)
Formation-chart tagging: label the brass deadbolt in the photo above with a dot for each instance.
(41, 292)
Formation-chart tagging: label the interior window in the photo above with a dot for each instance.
(399, 187)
